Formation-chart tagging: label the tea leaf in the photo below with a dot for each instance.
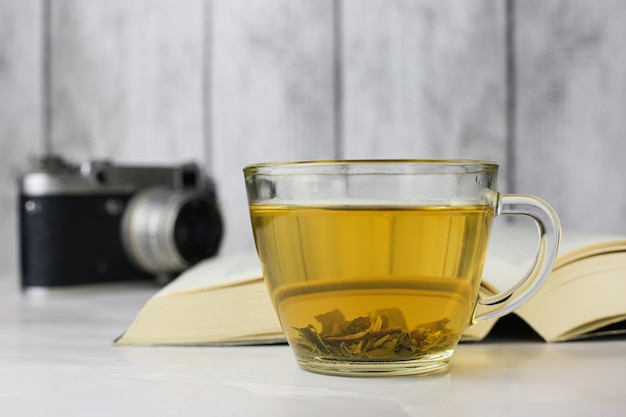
(356, 326)
(331, 321)
(381, 335)
(311, 341)
(392, 317)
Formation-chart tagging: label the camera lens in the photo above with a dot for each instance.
(192, 231)
(166, 230)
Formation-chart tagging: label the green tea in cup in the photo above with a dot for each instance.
(374, 267)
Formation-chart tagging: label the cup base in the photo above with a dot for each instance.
(424, 365)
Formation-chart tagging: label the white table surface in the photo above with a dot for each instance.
(57, 359)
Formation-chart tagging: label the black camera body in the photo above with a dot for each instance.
(99, 222)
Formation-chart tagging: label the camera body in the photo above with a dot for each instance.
(99, 222)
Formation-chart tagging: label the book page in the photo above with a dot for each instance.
(220, 271)
(512, 250)
(514, 244)
(579, 297)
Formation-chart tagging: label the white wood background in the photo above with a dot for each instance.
(537, 85)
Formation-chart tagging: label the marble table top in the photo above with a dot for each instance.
(57, 359)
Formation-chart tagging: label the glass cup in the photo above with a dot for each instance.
(374, 266)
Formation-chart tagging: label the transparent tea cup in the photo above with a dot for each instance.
(374, 267)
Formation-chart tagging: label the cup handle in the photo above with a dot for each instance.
(549, 235)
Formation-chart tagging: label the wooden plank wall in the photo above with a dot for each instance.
(538, 86)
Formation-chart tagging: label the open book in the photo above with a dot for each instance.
(584, 295)
(224, 300)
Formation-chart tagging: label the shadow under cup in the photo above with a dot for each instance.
(374, 266)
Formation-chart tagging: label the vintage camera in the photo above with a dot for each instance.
(100, 222)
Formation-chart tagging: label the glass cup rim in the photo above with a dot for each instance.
(318, 166)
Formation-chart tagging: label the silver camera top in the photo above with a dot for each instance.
(53, 175)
